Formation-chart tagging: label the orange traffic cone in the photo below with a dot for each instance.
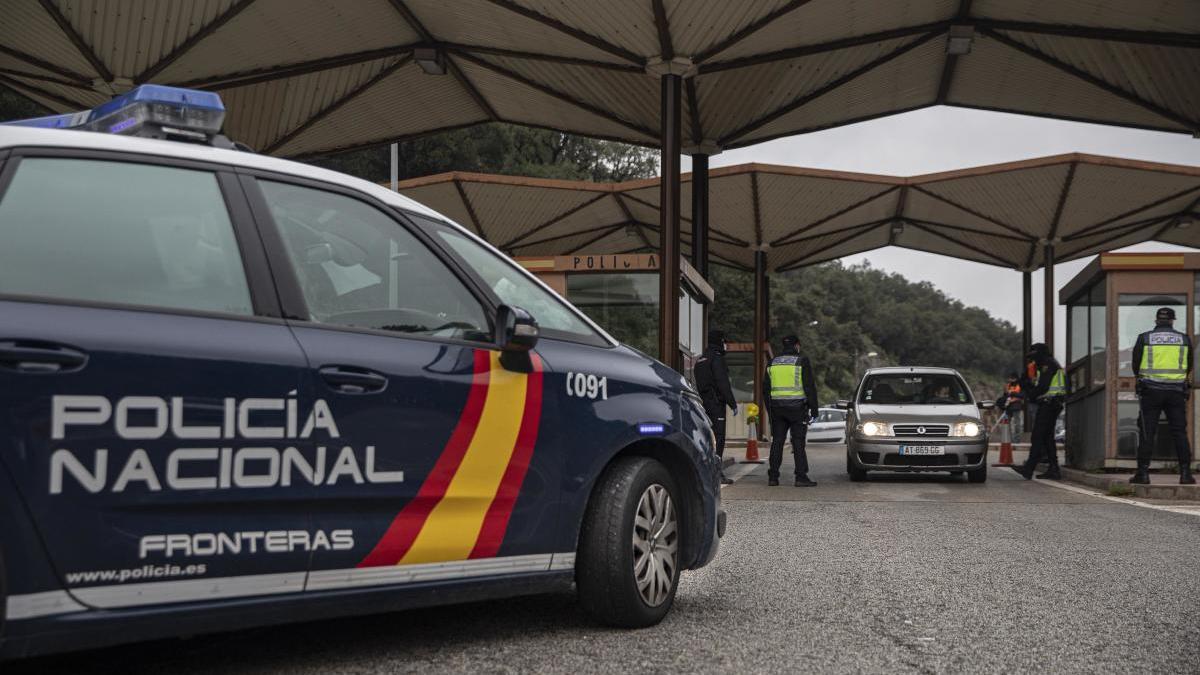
(1006, 448)
(752, 435)
(752, 451)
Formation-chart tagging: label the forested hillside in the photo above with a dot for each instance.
(842, 314)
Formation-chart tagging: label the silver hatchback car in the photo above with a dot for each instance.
(915, 419)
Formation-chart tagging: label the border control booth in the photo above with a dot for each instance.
(1109, 303)
(620, 293)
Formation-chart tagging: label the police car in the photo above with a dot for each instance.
(237, 390)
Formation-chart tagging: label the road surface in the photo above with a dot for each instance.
(900, 574)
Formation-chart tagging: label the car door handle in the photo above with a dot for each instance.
(25, 356)
(349, 380)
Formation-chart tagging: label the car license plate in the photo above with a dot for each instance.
(922, 449)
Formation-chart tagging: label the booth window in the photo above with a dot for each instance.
(1099, 332)
(1135, 315)
(625, 304)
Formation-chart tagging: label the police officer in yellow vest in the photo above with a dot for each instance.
(791, 391)
(1048, 392)
(1162, 363)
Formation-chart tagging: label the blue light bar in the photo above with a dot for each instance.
(651, 429)
(151, 110)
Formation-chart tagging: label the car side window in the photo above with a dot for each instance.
(120, 232)
(554, 316)
(359, 267)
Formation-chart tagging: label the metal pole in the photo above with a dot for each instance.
(668, 215)
(760, 331)
(395, 167)
(1026, 312)
(1048, 283)
(700, 214)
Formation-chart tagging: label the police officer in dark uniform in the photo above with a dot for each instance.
(791, 391)
(1048, 392)
(1162, 364)
(712, 380)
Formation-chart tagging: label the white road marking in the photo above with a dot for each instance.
(1186, 509)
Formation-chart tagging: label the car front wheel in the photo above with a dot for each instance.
(630, 545)
(857, 474)
(978, 475)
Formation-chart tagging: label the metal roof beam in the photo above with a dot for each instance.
(76, 39)
(968, 230)
(966, 209)
(901, 200)
(186, 46)
(336, 105)
(832, 125)
(1062, 200)
(584, 37)
(512, 243)
(1091, 79)
(595, 239)
(484, 105)
(831, 86)
(29, 90)
(970, 247)
(749, 30)
(554, 93)
(951, 62)
(821, 48)
(1161, 39)
(249, 77)
(559, 237)
(45, 78)
(629, 216)
(799, 262)
(665, 47)
(1132, 212)
(711, 230)
(46, 65)
(790, 238)
(462, 194)
(411, 19)
(1099, 245)
(757, 208)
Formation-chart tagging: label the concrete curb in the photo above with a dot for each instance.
(1102, 481)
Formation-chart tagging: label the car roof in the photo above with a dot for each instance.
(911, 369)
(16, 136)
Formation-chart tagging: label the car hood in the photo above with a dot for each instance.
(900, 414)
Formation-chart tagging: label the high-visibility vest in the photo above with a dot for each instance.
(787, 379)
(1164, 358)
(1058, 385)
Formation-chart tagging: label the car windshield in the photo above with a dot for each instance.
(914, 389)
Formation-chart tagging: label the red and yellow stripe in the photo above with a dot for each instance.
(462, 509)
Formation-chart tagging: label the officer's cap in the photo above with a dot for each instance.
(1037, 349)
(1165, 314)
(716, 336)
(790, 341)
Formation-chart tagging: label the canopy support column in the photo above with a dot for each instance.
(700, 214)
(395, 161)
(1048, 288)
(668, 220)
(760, 332)
(1026, 311)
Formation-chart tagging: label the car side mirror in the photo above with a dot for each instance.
(516, 329)
(987, 405)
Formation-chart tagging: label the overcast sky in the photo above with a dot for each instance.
(943, 139)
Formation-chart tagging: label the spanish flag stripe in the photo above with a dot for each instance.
(452, 528)
(495, 523)
(407, 524)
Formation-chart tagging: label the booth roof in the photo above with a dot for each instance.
(306, 77)
(1000, 214)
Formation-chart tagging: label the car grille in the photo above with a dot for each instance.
(868, 457)
(931, 430)
(894, 459)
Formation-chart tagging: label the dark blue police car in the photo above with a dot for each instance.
(237, 390)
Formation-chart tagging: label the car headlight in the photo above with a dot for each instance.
(967, 429)
(874, 429)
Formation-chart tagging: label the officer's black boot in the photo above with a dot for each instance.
(725, 480)
(1185, 475)
(803, 481)
(1142, 477)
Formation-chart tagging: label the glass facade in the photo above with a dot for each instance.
(691, 325)
(625, 305)
(1135, 315)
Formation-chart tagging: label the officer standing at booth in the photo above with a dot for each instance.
(791, 391)
(712, 381)
(1162, 364)
(1048, 393)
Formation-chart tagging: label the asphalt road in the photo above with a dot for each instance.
(900, 574)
